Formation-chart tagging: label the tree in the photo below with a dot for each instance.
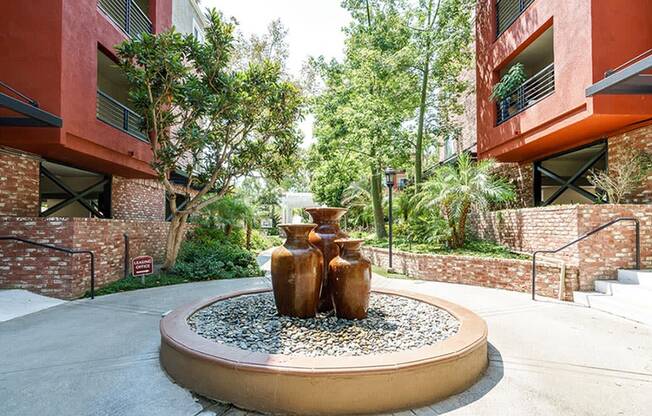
(622, 178)
(209, 117)
(367, 98)
(442, 33)
(456, 189)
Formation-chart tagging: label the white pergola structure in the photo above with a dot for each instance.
(291, 200)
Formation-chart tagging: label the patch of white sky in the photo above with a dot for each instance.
(314, 29)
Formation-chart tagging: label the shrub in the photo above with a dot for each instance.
(205, 260)
(260, 241)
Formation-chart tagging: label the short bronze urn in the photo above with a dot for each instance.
(323, 237)
(350, 280)
(297, 273)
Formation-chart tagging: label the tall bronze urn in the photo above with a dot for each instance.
(297, 272)
(324, 236)
(350, 280)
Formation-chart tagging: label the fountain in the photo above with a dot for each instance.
(294, 351)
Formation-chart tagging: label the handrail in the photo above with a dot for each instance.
(582, 237)
(63, 249)
(30, 101)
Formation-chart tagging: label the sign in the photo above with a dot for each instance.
(142, 265)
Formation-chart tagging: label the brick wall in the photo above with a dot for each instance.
(19, 183)
(530, 229)
(59, 274)
(547, 228)
(613, 248)
(509, 274)
(641, 139)
(137, 199)
(520, 175)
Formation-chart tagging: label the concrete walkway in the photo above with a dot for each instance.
(18, 302)
(101, 357)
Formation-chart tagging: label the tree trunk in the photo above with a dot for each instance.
(176, 233)
(227, 229)
(418, 151)
(248, 235)
(461, 225)
(377, 202)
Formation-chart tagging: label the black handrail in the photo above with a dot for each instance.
(63, 249)
(590, 233)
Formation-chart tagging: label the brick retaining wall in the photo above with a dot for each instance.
(510, 274)
(546, 228)
(64, 276)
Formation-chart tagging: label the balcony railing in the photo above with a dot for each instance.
(112, 112)
(126, 14)
(536, 88)
(507, 11)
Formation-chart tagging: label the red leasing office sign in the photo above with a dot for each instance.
(142, 265)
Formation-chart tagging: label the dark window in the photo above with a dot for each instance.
(563, 178)
(66, 191)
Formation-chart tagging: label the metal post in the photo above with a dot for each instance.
(638, 244)
(92, 274)
(128, 17)
(534, 273)
(126, 266)
(390, 228)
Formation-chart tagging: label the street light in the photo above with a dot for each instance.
(390, 176)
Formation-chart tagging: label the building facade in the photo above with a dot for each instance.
(84, 180)
(548, 129)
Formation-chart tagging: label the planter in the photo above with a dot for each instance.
(323, 237)
(297, 271)
(350, 280)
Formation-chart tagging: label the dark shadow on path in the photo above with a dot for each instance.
(491, 378)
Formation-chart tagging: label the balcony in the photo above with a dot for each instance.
(537, 60)
(112, 112)
(128, 15)
(113, 105)
(533, 90)
(507, 11)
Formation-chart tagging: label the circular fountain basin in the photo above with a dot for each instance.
(325, 385)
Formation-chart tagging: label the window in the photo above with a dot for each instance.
(197, 31)
(450, 146)
(563, 178)
(70, 192)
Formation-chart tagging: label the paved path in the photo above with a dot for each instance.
(18, 302)
(101, 357)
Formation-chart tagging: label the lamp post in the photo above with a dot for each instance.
(390, 176)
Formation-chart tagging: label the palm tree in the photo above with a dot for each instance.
(357, 198)
(456, 189)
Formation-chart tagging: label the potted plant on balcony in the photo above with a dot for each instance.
(512, 79)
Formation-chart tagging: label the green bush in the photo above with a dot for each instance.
(209, 235)
(201, 259)
(260, 241)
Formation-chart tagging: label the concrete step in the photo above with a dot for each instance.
(638, 277)
(633, 293)
(619, 306)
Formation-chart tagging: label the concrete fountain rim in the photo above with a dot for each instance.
(177, 334)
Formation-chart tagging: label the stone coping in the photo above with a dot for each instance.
(326, 384)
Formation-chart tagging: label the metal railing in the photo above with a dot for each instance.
(585, 236)
(62, 249)
(127, 15)
(113, 112)
(507, 11)
(536, 88)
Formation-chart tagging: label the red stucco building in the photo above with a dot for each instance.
(81, 179)
(553, 132)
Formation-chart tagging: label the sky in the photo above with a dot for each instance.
(314, 28)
